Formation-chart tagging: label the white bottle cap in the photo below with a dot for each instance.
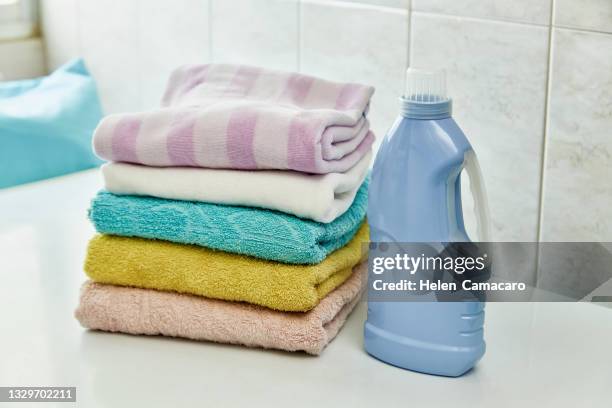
(425, 86)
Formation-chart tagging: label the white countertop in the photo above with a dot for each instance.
(539, 355)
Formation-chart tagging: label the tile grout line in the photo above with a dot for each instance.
(210, 31)
(409, 42)
(511, 22)
(299, 36)
(545, 130)
(582, 30)
(410, 37)
(544, 145)
(139, 51)
(355, 5)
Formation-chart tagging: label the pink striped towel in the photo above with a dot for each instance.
(241, 117)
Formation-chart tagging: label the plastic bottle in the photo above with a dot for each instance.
(415, 196)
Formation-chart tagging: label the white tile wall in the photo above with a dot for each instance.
(130, 46)
(496, 75)
(362, 43)
(108, 40)
(584, 14)
(496, 53)
(59, 23)
(578, 191)
(256, 32)
(170, 33)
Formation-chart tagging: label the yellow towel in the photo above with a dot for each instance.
(201, 271)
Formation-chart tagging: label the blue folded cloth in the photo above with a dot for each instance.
(46, 125)
(250, 231)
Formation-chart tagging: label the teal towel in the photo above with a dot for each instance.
(250, 231)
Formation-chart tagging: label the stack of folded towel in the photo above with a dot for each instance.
(234, 213)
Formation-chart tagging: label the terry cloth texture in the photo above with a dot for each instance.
(243, 230)
(242, 117)
(145, 311)
(164, 265)
(319, 197)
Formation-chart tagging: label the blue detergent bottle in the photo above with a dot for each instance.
(415, 196)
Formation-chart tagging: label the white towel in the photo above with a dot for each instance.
(320, 197)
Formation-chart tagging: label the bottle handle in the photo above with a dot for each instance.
(479, 194)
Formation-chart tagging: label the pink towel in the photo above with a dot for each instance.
(241, 117)
(145, 311)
